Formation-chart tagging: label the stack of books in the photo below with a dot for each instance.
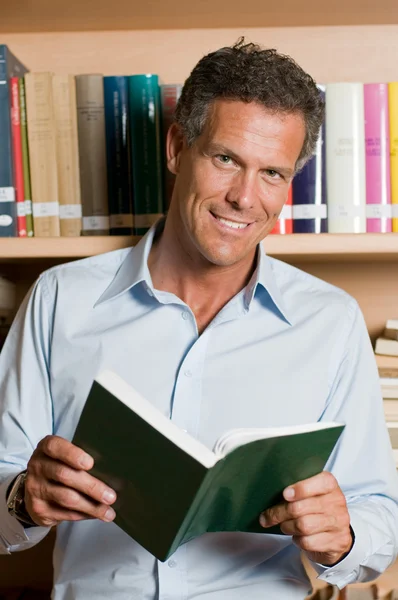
(386, 353)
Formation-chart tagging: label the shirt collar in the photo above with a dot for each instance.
(264, 277)
(134, 270)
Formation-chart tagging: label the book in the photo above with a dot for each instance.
(390, 406)
(169, 96)
(391, 329)
(386, 346)
(70, 208)
(284, 224)
(309, 189)
(393, 114)
(171, 488)
(146, 151)
(117, 130)
(345, 158)
(17, 157)
(10, 67)
(377, 149)
(389, 387)
(42, 154)
(25, 158)
(92, 153)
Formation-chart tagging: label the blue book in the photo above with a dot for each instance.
(118, 155)
(9, 67)
(146, 151)
(309, 190)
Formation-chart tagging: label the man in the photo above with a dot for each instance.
(217, 335)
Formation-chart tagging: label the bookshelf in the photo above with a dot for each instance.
(349, 42)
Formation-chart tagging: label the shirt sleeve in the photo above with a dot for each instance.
(25, 405)
(362, 461)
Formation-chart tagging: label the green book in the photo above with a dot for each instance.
(25, 159)
(171, 488)
(146, 151)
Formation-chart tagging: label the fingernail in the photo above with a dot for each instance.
(108, 496)
(263, 521)
(109, 515)
(289, 493)
(86, 461)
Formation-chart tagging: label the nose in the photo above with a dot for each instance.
(241, 193)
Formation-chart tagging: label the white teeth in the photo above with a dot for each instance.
(232, 223)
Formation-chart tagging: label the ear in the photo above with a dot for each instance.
(174, 147)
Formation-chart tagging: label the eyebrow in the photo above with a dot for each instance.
(220, 149)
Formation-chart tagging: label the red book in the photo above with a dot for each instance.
(285, 221)
(17, 157)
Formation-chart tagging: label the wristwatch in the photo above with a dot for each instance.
(16, 501)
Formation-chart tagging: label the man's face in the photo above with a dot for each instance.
(233, 181)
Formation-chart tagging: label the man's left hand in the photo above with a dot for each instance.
(315, 514)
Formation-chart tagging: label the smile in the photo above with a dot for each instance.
(232, 224)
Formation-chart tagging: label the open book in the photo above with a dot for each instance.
(171, 488)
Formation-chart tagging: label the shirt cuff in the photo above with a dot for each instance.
(13, 535)
(346, 571)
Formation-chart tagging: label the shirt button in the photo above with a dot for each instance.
(188, 373)
(185, 315)
(172, 564)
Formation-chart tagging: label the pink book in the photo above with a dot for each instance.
(377, 146)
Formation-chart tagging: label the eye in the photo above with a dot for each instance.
(273, 174)
(224, 159)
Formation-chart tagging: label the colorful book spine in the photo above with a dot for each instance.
(345, 158)
(17, 158)
(377, 146)
(284, 223)
(42, 154)
(146, 152)
(169, 96)
(393, 110)
(118, 155)
(309, 190)
(70, 208)
(92, 153)
(10, 66)
(25, 159)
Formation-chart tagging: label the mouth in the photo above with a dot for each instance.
(230, 224)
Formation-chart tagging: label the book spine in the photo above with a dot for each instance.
(146, 151)
(345, 158)
(8, 219)
(42, 154)
(284, 223)
(92, 154)
(118, 155)
(377, 146)
(393, 112)
(169, 96)
(309, 189)
(17, 158)
(70, 208)
(25, 159)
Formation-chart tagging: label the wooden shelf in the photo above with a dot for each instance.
(47, 15)
(299, 247)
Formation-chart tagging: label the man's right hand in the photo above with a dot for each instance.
(59, 488)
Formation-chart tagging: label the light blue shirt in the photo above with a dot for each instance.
(288, 349)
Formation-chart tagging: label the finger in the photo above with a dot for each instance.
(321, 484)
(60, 449)
(325, 543)
(79, 480)
(275, 515)
(70, 499)
(309, 525)
(294, 510)
(46, 514)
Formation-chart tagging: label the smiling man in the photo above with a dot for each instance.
(216, 335)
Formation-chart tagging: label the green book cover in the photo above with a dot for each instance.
(25, 159)
(170, 487)
(146, 152)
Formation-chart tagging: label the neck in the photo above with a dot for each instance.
(203, 286)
